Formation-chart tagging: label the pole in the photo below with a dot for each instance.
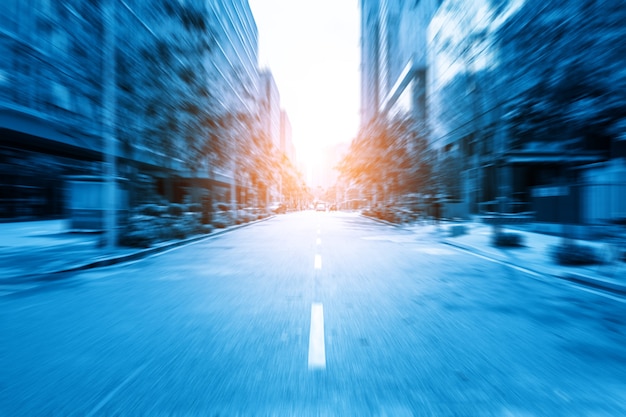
(233, 183)
(233, 190)
(109, 125)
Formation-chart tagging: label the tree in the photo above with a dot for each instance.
(168, 107)
(390, 157)
(562, 65)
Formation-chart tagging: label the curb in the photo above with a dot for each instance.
(381, 221)
(595, 283)
(114, 260)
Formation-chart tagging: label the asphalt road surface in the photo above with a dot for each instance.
(311, 314)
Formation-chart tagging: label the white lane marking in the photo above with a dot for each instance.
(318, 241)
(318, 262)
(317, 350)
(318, 231)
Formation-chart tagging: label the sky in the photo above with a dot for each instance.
(312, 49)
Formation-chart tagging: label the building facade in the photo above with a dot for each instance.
(185, 79)
(286, 137)
(394, 58)
(516, 119)
(394, 68)
(506, 94)
(270, 107)
(50, 102)
(370, 57)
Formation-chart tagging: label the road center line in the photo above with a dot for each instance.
(317, 350)
(318, 241)
(318, 262)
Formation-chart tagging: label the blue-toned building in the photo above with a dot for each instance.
(50, 101)
(394, 70)
(522, 99)
(183, 72)
(393, 57)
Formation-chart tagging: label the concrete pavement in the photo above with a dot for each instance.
(44, 250)
(535, 257)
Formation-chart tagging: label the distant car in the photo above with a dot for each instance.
(333, 207)
(320, 207)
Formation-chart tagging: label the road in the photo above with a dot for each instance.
(311, 314)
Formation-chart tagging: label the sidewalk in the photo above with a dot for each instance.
(44, 250)
(535, 257)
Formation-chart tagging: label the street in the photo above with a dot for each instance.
(312, 314)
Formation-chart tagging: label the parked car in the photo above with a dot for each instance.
(320, 207)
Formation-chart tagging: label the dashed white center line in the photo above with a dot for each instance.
(317, 350)
(318, 241)
(318, 262)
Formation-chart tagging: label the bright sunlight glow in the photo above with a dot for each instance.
(312, 49)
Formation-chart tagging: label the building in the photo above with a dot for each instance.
(270, 107)
(183, 72)
(516, 119)
(236, 84)
(506, 94)
(286, 138)
(370, 57)
(394, 67)
(394, 58)
(50, 103)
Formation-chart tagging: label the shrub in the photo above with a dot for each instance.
(223, 207)
(136, 239)
(143, 230)
(151, 210)
(175, 209)
(163, 225)
(508, 240)
(195, 208)
(458, 230)
(248, 217)
(575, 254)
(206, 228)
(140, 231)
(220, 224)
(179, 231)
(222, 219)
(368, 213)
(388, 215)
